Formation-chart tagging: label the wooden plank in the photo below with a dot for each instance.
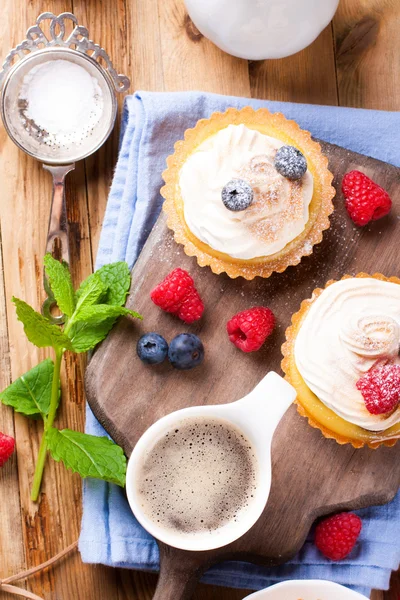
(308, 76)
(367, 53)
(191, 62)
(10, 511)
(19, 252)
(51, 525)
(129, 31)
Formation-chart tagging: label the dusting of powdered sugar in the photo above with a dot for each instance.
(60, 102)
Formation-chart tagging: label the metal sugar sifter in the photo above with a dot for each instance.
(58, 150)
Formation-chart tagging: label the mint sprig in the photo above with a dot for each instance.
(90, 313)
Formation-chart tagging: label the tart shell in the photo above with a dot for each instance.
(308, 404)
(274, 125)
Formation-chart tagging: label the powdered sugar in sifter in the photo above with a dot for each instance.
(58, 104)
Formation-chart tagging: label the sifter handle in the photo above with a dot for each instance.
(58, 231)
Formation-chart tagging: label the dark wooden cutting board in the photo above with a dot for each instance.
(311, 476)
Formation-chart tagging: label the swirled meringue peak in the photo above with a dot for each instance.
(352, 327)
(280, 207)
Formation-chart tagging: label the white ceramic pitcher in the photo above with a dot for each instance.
(258, 29)
(257, 415)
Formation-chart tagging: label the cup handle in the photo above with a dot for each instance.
(58, 230)
(265, 405)
(180, 572)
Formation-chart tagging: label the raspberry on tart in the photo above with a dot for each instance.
(380, 388)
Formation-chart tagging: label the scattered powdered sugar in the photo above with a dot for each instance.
(307, 247)
(60, 102)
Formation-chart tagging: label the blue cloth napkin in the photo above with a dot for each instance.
(151, 124)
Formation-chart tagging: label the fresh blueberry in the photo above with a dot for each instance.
(290, 162)
(237, 194)
(152, 348)
(186, 351)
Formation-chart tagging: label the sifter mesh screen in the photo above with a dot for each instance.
(62, 146)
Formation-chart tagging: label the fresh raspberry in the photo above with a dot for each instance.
(380, 388)
(192, 307)
(365, 200)
(177, 295)
(7, 445)
(171, 292)
(336, 536)
(249, 329)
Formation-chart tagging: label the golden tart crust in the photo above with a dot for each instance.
(273, 125)
(308, 404)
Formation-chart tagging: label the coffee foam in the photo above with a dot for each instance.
(198, 476)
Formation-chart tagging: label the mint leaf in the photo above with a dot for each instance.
(30, 394)
(99, 312)
(37, 328)
(61, 284)
(85, 336)
(88, 455)
(90, 292)
(116, 277)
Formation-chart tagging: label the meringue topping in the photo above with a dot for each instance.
(280, 208)
(352, 327)
(373, 336)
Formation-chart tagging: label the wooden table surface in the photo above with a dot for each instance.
(354, 62)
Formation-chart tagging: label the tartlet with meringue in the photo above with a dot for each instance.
(343, 332)
(247, 192)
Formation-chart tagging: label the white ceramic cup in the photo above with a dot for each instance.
(257, 416)
(313, 589)
(258, 29)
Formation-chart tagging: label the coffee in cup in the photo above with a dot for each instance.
(198, 477)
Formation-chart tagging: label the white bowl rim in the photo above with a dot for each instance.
(325, 584)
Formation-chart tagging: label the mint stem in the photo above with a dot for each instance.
(48, 422)
(55, 390)
(41, 459)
